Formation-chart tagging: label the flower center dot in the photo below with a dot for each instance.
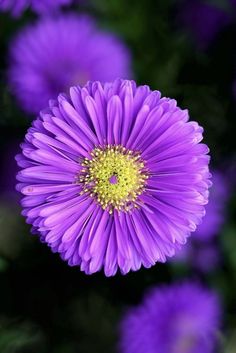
(113, 179)
(114, 176)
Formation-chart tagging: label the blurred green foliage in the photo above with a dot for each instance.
(19, 337)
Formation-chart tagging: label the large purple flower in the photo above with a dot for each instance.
(16, 7)
(57, 53)
(114, 175)
(179, 318)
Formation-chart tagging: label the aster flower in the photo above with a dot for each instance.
(56, 53)
(16, 7)
(114, 176)
(194, 13)
(179, 318)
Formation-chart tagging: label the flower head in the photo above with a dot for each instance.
(48, 58)
(179, 318)
(38, 6)
(114, 176)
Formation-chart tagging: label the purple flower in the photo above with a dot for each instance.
(203, 21)
(8, 170)
(40, 6)
(114, 176)
(202, 257)
(202, 253)
(57, 53)
(179, 318)
(215, 209)
(206, 257)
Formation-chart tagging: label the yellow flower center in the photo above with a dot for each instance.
(115, 176)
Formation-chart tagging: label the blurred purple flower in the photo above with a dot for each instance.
(9, 170)
(203, 21)
(215, 209)
(206, 257)
(203, 257)
(56, 53)
(114, 175)
(16, 7)
(179, 318)
(201, 252)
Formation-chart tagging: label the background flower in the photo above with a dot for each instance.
(115, 176)
(203, 20)
(215, 209)
(206, 258)
(9, 171)
(177, 318)
(52, 55)
(203, 252)
(40, 6)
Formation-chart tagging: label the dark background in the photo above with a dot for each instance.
(46, 306)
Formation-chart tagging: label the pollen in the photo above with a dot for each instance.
(114, 176)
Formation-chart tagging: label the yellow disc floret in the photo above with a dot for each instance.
(115, 176)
